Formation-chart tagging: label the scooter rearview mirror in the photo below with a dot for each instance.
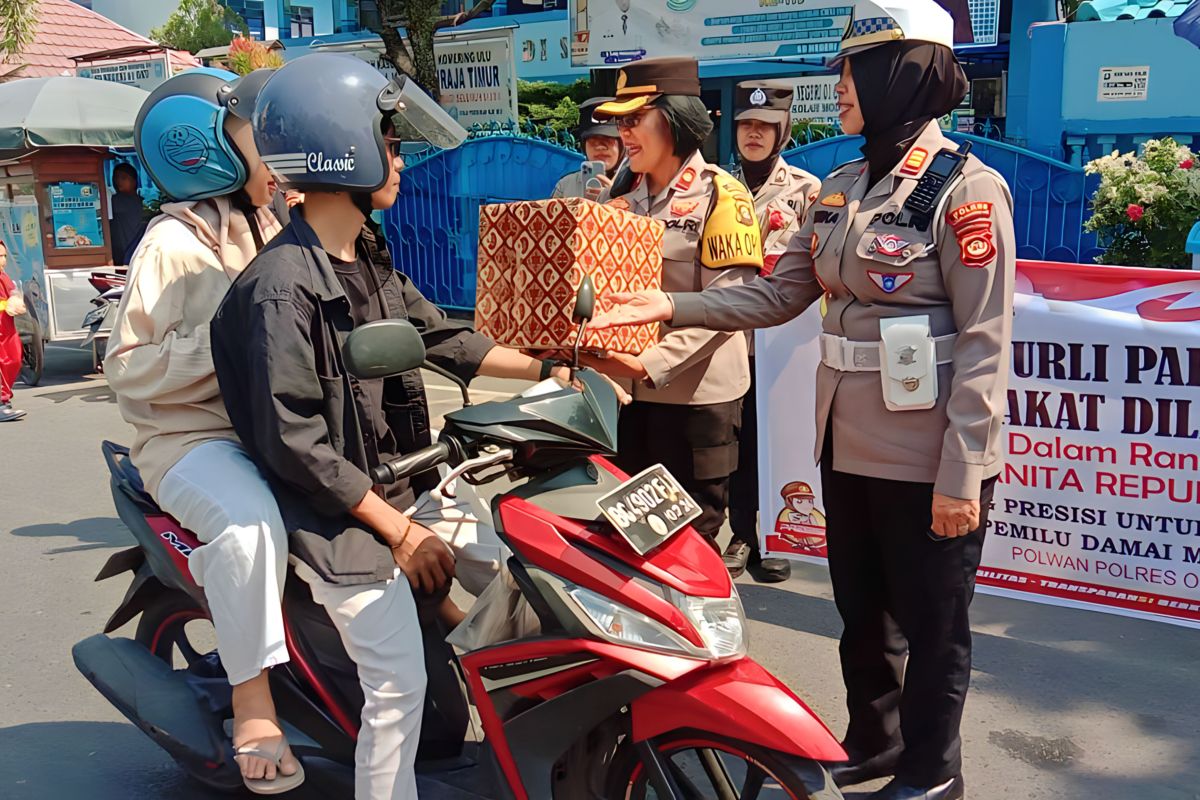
(585, 309)
(383, 349)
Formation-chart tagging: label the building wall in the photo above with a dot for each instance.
(1067, 119)
(138, 16)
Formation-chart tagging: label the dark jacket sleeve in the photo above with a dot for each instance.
(286, 401)
(458, 349)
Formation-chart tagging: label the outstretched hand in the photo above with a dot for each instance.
(633, 308)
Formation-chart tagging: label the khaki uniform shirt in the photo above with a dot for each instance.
(781, 204)
(570, 185)
(712, 240)
(874, 261)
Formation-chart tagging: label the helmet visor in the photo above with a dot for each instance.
(417, 117)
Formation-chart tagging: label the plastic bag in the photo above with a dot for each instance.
(501, 613)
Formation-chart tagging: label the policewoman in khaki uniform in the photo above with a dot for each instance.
(601, 142)
(688, 389)
(782, 194)
(913, 249)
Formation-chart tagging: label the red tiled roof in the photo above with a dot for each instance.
(68, 29)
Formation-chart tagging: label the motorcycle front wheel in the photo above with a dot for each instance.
(700, 766)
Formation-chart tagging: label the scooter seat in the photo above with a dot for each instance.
(127, 476)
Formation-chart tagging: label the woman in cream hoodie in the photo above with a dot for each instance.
(194, 135)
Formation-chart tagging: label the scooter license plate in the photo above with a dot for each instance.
(649, 508)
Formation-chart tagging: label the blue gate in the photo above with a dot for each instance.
(1050, 198)
(433, 229)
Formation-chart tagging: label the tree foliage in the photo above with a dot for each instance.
(552, 104)
(421, 20)
(199, 24)
(18, 24)
(247, 55)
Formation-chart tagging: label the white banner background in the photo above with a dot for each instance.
(1099, 503)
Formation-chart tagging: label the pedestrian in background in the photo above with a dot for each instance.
(12, 305)
(128, 214)
(601, 143)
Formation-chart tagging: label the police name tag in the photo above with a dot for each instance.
(649, 508)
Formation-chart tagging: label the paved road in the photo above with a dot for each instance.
(1066, 704)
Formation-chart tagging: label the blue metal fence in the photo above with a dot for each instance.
(433, 229)
(1051, 198)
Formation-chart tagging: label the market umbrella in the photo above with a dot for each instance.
(47, 112)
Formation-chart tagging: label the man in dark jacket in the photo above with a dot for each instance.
(314, 430)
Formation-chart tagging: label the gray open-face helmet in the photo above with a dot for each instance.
(319, 123)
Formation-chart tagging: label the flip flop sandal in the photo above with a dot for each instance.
(281, 783)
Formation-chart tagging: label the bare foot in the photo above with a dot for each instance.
(265, 736)
(255, 726)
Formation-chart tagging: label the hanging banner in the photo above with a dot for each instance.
(477, 75)
(20, 230)
(1099, 501)
(608, 32)
(145, 74)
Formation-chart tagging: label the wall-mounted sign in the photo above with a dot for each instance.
(1123, 83)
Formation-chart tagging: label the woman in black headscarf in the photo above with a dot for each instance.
(914, 251)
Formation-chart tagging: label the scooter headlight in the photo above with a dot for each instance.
(623, 624)
(720, 621)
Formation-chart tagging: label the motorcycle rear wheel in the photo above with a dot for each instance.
(33, 358)
(707, 767)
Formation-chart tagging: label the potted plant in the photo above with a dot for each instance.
(1146, 204)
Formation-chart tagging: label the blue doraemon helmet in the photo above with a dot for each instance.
(180, 132)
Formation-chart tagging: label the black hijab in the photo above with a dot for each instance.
(901, 87)
(757, 172)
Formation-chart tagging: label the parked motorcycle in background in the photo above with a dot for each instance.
(110, 283)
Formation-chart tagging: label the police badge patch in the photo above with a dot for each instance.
(889, 281)
(972, 225)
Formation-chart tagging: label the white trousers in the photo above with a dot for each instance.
(216, 492)
(380, 631)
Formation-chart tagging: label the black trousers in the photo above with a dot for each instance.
(896, 590)
(743, 484)
(697, 444)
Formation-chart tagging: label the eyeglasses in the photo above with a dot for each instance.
(632, 121)
(395, 146)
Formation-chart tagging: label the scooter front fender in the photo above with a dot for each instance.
(738, 699)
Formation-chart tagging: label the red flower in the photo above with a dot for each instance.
(1187, 164)
(1134, 212)
(776, 220)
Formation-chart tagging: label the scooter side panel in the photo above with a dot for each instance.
(544, 671)
(741, 700)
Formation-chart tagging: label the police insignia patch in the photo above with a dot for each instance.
(914, 162)
(972, 225)
(758, 98)
(685, 180)
(834, 200)
(619, 203)
(889, 244)
(889, 281)
(681, 208)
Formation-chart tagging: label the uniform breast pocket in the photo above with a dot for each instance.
(894, 259)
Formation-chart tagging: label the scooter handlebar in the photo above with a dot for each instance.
(414, 463)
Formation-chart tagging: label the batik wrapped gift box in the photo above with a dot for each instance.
(533, 256)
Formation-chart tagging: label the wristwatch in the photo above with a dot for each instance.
(547, 368)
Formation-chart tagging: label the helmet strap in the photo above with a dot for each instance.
(362, 201)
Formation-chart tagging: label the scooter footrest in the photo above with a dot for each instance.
(160, 701)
